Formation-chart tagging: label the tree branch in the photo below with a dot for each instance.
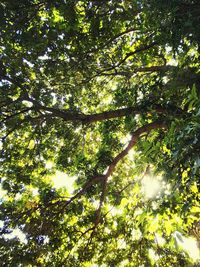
(113, 39)
(104, 177)
(112, 114)
(98, 212)
(140, 49)
(139, 69)
(67, 115)
(14, 115)
(135, 136)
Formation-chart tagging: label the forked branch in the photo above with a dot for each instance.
(104, 177)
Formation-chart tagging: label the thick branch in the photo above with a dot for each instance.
(135, 136)
(113, 114)
(103, 194)
(98, 212)
(86, 119)
(103, 178)
(68, 115)
(87, 185)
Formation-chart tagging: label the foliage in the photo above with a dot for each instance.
(108, 96)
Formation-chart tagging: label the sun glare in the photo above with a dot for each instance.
(151, 186)
(188, 244)
(3, 193)
(16, 233)
(60, 180)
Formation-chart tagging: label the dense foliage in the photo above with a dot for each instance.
(105, 94)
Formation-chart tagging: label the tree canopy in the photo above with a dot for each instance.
(106, 95)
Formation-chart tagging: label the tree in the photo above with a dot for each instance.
(109, 96)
